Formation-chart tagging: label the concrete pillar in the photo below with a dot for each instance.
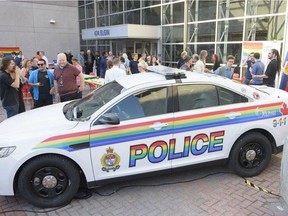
(284, 173)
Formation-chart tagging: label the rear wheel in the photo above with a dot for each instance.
(251, 154)
(49, 181)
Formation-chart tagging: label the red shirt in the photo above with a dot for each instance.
(66, 79)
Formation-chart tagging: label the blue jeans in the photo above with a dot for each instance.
(11, 110)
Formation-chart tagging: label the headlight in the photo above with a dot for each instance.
(6, 151)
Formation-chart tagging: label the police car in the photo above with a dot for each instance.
(154, 121)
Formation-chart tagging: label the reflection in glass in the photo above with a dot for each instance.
(131, 4)
(132, 17)
(265, 28)
(90, 23)
(90, 12)
(116, 19)
(173, 13)
(102, 8)
(206, 10)
(259, 7)
(116, 6)
(228, 9)
(102, 21)
(81, 11)
(234, 49)
(173, 34)
(230, 30)
(172, 53)
(82, 25)
(147, 3)
(202, 32)
(151, 16)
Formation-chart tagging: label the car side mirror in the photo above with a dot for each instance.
(77, 113)
(108, 118)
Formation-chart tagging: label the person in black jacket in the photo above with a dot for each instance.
(89, 62)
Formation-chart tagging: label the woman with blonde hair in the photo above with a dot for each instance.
(24, 76)
(142, 66)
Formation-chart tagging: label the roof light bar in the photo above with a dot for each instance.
(168, 72)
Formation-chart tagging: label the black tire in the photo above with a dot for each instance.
(250, 154)
(49, 181)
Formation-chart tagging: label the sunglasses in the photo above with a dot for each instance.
(40, 64)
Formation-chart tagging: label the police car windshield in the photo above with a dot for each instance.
(84, 108)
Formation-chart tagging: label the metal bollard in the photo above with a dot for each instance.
(284, 172)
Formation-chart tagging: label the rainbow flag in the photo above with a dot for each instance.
(8, 50)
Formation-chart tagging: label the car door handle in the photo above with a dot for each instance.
(233, 115)
(158, 125)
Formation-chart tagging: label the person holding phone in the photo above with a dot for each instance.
(42, 81)
(9, 86)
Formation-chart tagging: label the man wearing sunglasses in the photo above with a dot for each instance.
(42, 82)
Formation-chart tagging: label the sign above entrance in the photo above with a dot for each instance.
(122, 31)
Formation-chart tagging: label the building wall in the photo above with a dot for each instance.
(27, 25)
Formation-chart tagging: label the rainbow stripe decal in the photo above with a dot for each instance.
(138, 131)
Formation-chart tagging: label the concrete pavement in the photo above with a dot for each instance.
(218, 194)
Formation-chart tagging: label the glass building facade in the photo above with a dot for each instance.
(218, 26)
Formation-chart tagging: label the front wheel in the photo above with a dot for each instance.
(251, 154)
(49, 181)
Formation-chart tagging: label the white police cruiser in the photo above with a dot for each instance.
(138, 124)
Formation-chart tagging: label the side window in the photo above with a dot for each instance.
(229, 97)
(147, 103)
(197, 96)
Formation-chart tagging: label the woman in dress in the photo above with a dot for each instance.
(25, 72)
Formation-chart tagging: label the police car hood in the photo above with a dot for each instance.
(40, 120)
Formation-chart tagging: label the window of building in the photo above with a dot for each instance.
(230, 30)
(231, 9)
(265, 28)
(202, 32)
(234, 49)
(80, 3)
(260, 7)
(148, 103)
(173, 13)
(131, 4)
(202, 10)
(151, 16)
(116, 19)
(116, 6)
(173, 34)
(81, 11)
(82, 25)
(102, 21)
(90, 11)
(90, 23)
(172, 53)
(132, 17)
(102, 8)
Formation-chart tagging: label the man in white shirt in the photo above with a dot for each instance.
(199, 65)
(114, 72)
(42, 54)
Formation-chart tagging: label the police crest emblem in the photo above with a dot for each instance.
(110, 160)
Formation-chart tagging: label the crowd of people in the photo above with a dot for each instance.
(256, 73)
(26, 81)
(30, 81)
